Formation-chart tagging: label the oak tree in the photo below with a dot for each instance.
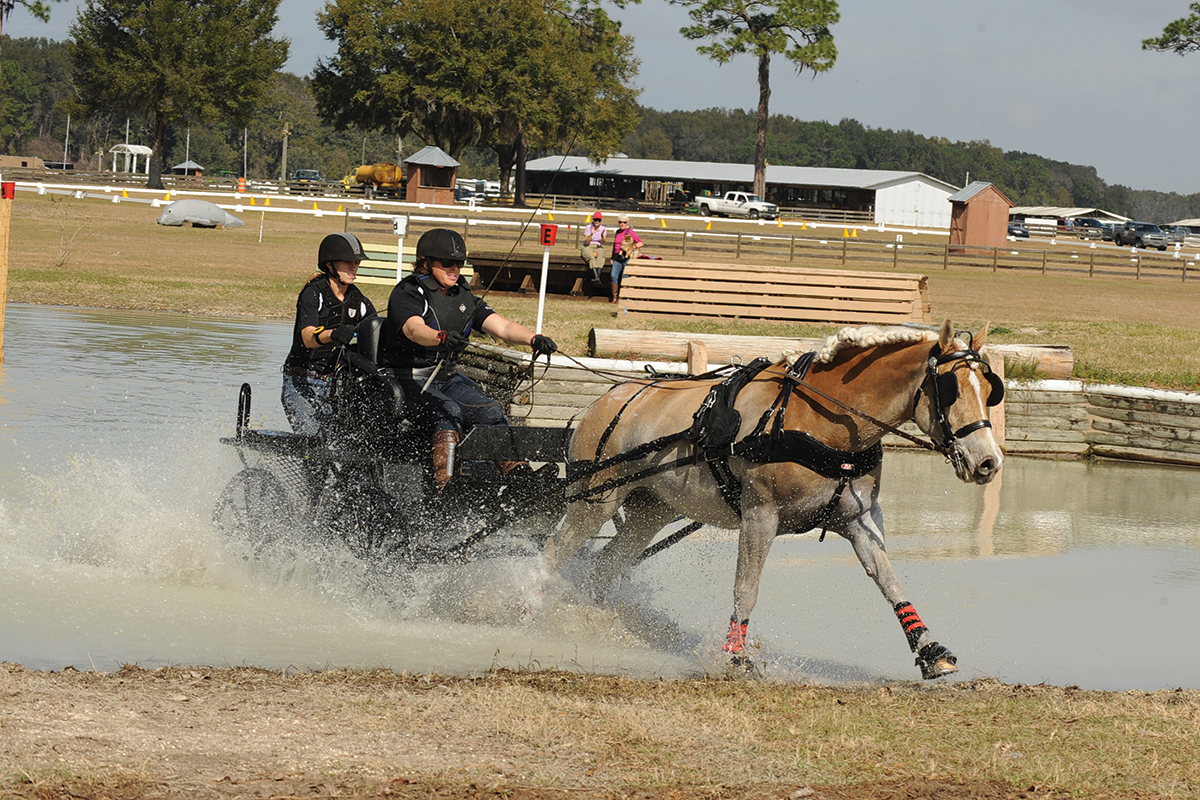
(176, 61)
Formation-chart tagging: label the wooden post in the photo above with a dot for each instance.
(697, 357)
(1043, 262)
(995, 257)
(895, 254)
(845, 244)
(946, 258)
(1091, 263)
(683, 247)
(792, 251)
(739, 247)
(1137, 275)
(8, 190)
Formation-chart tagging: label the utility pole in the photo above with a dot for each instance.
(284, 177)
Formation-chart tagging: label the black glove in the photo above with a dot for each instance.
(451, 342)
(342, 334)
(543, 345)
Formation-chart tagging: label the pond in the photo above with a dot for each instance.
(1069, 573)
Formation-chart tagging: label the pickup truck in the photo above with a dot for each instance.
(737, 204)
(1140, 234)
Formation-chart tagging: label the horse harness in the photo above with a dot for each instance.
(716, 423)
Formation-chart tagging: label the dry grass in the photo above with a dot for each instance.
(92, 253)
(557, 734)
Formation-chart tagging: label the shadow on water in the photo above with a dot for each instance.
(110, 465)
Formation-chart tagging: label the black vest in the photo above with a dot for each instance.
(331, 313)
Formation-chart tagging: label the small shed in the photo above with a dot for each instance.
(979, 216)
(188, 168)
(431, 175)
(131, 151)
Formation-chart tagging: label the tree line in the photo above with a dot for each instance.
(39, 93)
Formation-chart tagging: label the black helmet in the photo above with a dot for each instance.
(442, 244)
(340, 247)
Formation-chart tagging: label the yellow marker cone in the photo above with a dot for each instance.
(550, 217)
(664, 222)
(315, 206)
(124, 193)
(168, 197)
(803, 226)
(708, 227)
(845, 233)
(854, 233)
(780, 225)
(339, 208)
(252, 200)
(267, 202)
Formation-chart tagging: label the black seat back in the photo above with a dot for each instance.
(370, 335)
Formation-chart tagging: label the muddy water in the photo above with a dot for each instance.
(110, 464)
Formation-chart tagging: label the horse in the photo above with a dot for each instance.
(793, 446)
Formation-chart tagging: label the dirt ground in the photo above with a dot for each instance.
(249, 733)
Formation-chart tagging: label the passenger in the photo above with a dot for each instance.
(431, 316)
(592, 250)
(328, 311)
(626, 245)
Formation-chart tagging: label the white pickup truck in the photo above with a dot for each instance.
(737, 204)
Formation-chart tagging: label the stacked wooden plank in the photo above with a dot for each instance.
(687, 289)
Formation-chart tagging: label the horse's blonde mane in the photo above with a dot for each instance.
(864, 337)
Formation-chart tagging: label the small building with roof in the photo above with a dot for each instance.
(431, 174)
(978, 216)
(892, 197)
(188, 167)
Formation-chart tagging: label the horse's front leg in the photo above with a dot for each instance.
(866, 534)
(760, 522)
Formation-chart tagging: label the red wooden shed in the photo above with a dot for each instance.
(979, 216)
(431, 173)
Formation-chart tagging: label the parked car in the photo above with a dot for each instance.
(1089, 228)
(307, 175)
(1140, 234)
(1018, 230)
(737, 204)
(1178, 234)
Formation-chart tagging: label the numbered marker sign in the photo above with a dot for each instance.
(549, 234)
(400, 225)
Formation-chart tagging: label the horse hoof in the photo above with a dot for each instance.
(936, 661)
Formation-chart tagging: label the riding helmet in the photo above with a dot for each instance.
(442, 244)
(340, 247)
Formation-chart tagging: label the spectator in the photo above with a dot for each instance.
(593, 245)
(626, 245)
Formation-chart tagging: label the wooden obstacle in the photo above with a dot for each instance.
(786, 294)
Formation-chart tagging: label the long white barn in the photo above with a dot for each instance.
(891, 197)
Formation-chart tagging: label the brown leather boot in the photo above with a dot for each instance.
(616, 290)
(520, 467)
(444, 445)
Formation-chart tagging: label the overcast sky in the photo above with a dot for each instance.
(1065, 79)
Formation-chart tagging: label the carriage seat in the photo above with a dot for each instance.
(370, 334)
(390, 397)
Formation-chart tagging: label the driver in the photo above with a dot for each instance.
(431, 316)
(328, 311)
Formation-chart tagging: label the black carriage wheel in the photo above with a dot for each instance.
(254, 509)
(365, 518)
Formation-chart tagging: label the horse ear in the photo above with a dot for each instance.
(946, 337)
(979, 339)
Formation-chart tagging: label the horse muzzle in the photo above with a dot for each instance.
(977, 468)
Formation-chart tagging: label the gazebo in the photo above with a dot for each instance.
(431, 173)
(131, 151)
(188, 168)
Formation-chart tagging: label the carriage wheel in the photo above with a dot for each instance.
(366, 519)
(254, 509)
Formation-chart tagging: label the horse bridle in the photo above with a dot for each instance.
(943, 389)
(942, 394)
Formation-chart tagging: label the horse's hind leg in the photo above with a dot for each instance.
(645, 516)
(582, 522)
(866, 534)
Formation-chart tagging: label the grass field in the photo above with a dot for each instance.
(92, 253)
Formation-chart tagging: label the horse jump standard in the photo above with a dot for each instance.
(787, 294)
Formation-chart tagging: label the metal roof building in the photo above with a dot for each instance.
(892, 197)
(1064, 212)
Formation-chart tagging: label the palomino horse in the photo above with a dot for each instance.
(803, 451)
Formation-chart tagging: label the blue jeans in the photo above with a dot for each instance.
(618, 268)
(306, 403)
(456, 404)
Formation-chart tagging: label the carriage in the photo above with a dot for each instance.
(366, 482)
(768, 449)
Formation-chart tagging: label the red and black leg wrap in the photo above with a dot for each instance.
(735, 640)
(911, 623)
